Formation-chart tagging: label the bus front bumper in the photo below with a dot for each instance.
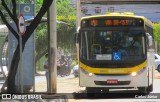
(114, 81)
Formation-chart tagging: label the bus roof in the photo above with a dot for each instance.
(117, 14)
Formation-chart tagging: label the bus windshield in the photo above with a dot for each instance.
(112, 45)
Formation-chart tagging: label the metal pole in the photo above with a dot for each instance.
(78, 7)
(20, 62)
(34, 69)
(52, 49)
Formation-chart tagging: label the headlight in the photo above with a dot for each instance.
(133, 74)
(86, 72)
(138, 72)
(90, 74)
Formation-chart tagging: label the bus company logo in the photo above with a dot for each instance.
(6, 96)
(103, 71)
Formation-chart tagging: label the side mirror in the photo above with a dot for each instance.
(76, 37)
(149, 39)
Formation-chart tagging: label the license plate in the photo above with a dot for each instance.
(112, 81)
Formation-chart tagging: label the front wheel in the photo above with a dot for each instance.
(142, 90)
(150, 88)
(90, 92)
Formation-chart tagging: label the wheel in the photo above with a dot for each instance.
(142, 90)
(68, 72)
(75, 75)
(158, 68)
(150, 88)
(90, 92)
(62, 75)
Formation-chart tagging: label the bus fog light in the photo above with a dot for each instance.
(133, 73)
(90, 74)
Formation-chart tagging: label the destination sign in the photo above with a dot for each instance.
(112, 22)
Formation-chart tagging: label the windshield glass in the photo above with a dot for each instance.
(112, 45)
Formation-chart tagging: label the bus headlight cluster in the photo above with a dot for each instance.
(90, 74)
(133, 74)
(86, 72)
(138, 72)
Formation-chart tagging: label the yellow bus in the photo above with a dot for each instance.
(115, 50)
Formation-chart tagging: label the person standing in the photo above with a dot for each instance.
(46, 67)
(61, 64)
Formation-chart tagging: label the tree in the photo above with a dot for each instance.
(10, 81)
(66, 13)
(157, 31)
(157, 36)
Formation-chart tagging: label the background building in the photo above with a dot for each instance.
(150, 11)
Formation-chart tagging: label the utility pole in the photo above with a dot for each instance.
(52, 38)
(78, 13)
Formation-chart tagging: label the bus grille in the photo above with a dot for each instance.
(105, 83)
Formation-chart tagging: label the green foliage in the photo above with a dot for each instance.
(157, 31)
(65, 13)
(40, 1)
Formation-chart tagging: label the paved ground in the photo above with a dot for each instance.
(66, 85)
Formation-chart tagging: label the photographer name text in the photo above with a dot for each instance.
(146, 96)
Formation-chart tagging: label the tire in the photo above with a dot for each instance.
(158, 68)
(68, 72)
(90, 92)
(75, 75)
(142, 90)
(62, 75)
(150, 88)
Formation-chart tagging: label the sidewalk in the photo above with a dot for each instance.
(157, 75)
(64, 85)
(65, 88)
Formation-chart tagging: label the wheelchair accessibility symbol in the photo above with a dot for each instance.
(116, 55)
